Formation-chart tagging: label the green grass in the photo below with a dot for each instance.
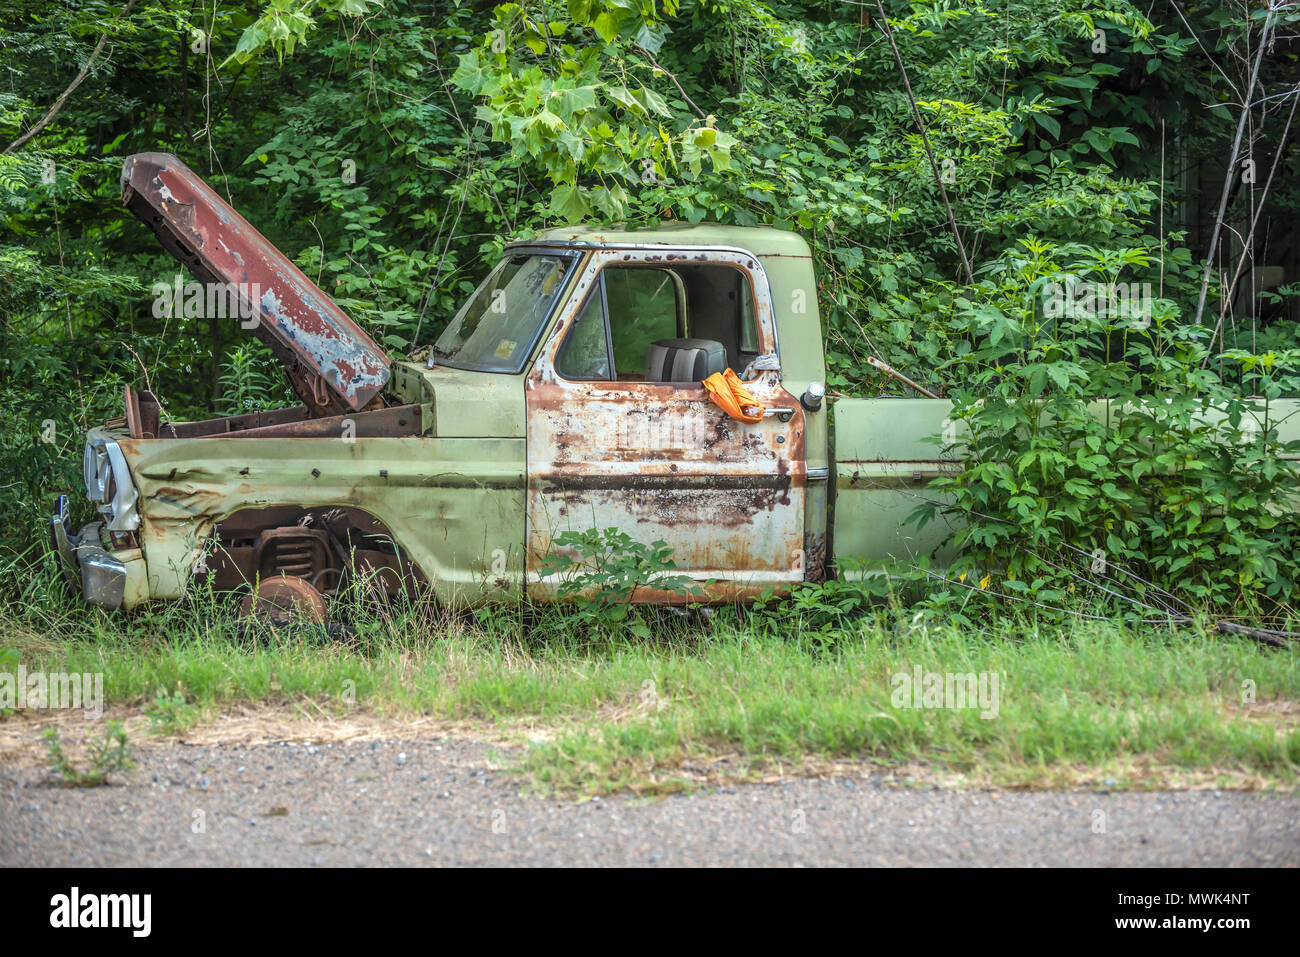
(1079, 705)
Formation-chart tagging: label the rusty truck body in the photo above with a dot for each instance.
(565, 394)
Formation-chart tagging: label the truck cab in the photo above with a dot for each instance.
(621, 433)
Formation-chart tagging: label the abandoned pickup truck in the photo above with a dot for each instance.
(565, 394)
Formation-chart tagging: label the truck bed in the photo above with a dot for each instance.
(885, 451)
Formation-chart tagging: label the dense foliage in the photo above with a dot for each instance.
(392, 148)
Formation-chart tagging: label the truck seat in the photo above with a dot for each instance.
(684, 360)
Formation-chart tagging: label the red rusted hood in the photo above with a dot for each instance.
(331, 363)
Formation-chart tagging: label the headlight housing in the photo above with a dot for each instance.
(95, 472)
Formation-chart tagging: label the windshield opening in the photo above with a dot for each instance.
(495, 331)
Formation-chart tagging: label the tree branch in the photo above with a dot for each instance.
(920, 125)
(1232, 165)
(1247, 245)
(58, 104)
(655, 64)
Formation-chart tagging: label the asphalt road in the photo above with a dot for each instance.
(441, 802)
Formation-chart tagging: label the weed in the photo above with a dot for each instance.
(107, 756)
(170, 713)
(600, 581)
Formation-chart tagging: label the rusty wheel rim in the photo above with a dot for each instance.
(283, 599)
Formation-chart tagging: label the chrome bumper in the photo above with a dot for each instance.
(101, 577)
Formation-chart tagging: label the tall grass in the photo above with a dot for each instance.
(597, 711)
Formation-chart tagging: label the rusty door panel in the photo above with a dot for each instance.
(332, 365)
(663, 462)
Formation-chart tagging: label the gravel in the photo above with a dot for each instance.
(445, 802)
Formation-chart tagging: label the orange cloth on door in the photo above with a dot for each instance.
(731, 396)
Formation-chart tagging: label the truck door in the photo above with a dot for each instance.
(622, 434)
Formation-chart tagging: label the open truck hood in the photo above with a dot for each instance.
(332, 365)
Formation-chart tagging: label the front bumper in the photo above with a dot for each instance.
(107, 579)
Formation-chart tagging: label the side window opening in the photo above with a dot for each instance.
(658, 324)
(720, 309)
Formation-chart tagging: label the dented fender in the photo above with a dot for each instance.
(455, 507)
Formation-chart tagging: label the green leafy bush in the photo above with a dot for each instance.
(1100, 449)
